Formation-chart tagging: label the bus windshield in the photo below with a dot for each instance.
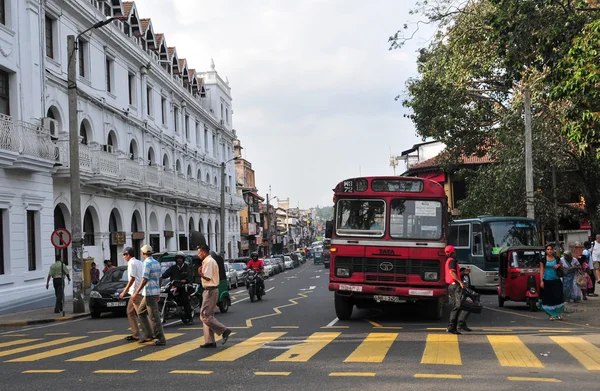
(415, 219)
(499, 234)
(360, 217)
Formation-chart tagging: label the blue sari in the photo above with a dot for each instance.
(552, 293)
(571, 290)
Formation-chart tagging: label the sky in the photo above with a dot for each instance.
(313, 84)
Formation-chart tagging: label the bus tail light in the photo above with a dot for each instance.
(342, 272)
(430, 276)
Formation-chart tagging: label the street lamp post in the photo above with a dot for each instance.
(75, 185)
(222, 244)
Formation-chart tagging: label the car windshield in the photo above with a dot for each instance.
(416, 219)
(287, 259)
(360, 217)
(526, 259)
(115, 275)
(236, 266)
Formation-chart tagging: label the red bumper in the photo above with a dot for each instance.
(404, 292)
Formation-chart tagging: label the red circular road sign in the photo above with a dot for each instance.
(61, 238)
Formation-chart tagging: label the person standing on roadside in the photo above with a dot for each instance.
(209, 272)
(94, 275)
(551, 285)
(595, 256)
(455, 289)
(135, 271)
(587, 253)
(58, 271)
(148, 311)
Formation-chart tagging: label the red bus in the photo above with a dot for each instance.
(387, 244)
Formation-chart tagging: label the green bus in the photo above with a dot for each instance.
(479, 240)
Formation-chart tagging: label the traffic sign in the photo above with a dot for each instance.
(61, 238)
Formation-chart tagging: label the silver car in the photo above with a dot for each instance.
(239, 270)
(232, 280)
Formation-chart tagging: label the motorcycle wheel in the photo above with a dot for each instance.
(251, 293)
(258, 296)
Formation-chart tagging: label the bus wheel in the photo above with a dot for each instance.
(435, 308)
(343, 307)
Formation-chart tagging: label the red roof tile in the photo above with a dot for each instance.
(159, 39)
(144, 24)
(171, 51)
(127, 7)
(191, 73)
(182, 63)
(437, 160)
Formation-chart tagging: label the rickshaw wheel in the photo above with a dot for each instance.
(532, 305)
(224, 305)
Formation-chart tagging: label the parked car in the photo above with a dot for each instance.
(232, 278)
(280, 262)
(289, 263)
(239, 268)
(105, 296)
(268, 268)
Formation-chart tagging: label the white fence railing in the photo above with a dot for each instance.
(26, 139)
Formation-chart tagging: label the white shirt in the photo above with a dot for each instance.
(135, 268)
(596, 252)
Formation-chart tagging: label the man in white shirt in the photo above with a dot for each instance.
(596, 258)
(135, 271)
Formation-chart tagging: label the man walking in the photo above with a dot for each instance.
(148, 309)
(135, 271)
(209, 272)
(596, 258)
(58, 272)
(455, 288)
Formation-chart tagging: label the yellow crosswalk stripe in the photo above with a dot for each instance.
(586, 353)
(512, 352)
(305, 350)
(39, 346)
(18, 342)
(174, 351)
(442, 349)
(126, 347)
(246, 347)
(69, 349)
(373, 348)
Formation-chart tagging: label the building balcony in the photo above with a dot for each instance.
(121, 173)
(25, 146)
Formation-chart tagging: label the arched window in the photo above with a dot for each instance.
(133, 150)
(83, 132)
(88, 228)
(151, 156)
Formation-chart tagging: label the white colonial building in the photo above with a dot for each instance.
(153, 134)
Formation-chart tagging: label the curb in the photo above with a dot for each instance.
(43, 321)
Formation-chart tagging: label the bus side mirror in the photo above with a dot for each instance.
(328, 229)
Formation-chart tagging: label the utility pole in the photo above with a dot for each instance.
(529, 197)
(268, 225)
(222, 244)
(77, 244)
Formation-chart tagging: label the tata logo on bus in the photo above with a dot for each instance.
(386, 266)
(386, 252)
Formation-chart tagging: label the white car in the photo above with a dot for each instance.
(289, 264)
(268, 271)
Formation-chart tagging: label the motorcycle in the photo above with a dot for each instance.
(253, 285)
(172, 306)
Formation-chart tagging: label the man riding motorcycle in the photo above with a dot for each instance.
(258, 266)
(180, 271)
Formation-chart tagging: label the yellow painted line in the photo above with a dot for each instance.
(57, 334)
(18, 342)
(378, 326)
(272, 373)
(373, 348)
(124, 348)
(497, 329)
(436, 329)
(276, 311)
(102, 331)
(512, 352)
(14, 335)
(285, 327)
(245, 347)
(191, 372)
(174, 351)
(437, 376)
(442, 349)
(39, 346)
(583, 351)
(352, 374)
(305, 350)
(68, 349)
(122, 371)
(536, 379)
(335, 327)
(555, 331)
(44, 371)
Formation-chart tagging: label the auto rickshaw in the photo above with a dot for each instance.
(519, 270)
(224, 301)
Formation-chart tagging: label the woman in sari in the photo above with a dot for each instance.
(552, 287)
(571, 266)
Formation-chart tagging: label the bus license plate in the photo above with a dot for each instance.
(116, 304)
(420, 292)
(352, 288)
(393, 299)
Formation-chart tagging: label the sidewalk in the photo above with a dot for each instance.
(41, 316)
(586, 312)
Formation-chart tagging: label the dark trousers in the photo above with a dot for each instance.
(457, 316)
(59, 285)
(592, 290)
(184, 298)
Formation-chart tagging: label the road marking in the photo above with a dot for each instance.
(174, 351)
(305, 350)
(442, 349)
(352, 374)
(555, 331)
(501, 329)
(436, 329)
(332, 322)
(126, 347)
(69, 349)
(44, 326)
(512, 352)
(122, 371)
(537, 379)
(378, 326)
(101, 331)
(437, 376)
(276, 311)
(373, 348)
(285, 327)
(44, 371)
(57, 334)
(245, 347)
(15, 335)
(248, 298)
(586, 353)
(39, 346)
(335, 327)
(18, 342)
(272, 373)
(190, 372)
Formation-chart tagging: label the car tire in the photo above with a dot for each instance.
(95, 314)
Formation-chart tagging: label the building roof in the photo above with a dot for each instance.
(127, 7)
(171, 50)
(436, 161)
(182, 63)
(416, 146)
(144, 23)
(159, 39)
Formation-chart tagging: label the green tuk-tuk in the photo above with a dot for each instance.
(224, 301)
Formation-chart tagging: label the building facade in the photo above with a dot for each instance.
(153, 133)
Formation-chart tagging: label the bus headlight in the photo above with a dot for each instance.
(430, 276)
(342, 272)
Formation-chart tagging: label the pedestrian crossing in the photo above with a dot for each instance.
(281, 347)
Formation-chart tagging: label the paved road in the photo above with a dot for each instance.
(292, 340)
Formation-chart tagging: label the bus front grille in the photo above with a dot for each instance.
(385, 268)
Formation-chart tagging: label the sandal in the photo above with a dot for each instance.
(131, 338)
(160, 343)
(560, 318)
(145, 340)
(552, 318)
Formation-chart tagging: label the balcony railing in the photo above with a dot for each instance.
(26, 139)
